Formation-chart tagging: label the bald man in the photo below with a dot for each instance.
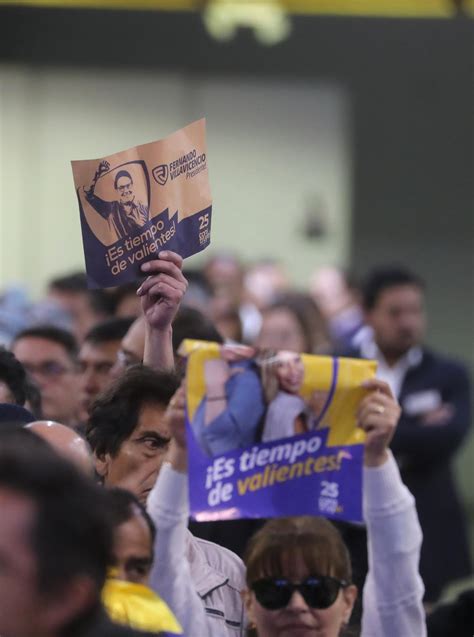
(67, 442)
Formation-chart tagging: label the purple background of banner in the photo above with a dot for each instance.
(299, 496)
(185, 242)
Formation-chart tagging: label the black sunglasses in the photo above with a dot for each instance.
(318, 592)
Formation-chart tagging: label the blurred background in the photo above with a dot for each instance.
(339, 133)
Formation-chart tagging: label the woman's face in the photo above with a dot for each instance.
(289, 371)
(281, 330)
(297, 619)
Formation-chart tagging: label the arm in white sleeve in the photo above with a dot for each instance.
(170, 575)
(393, 591)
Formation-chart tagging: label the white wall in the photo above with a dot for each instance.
(272, 147)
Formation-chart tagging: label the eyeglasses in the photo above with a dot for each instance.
(318, 592)
(48, 369)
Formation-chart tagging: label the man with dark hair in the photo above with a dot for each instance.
(126, 215)
(127, 431)
(134, 535)
(97, 356)
(129, 435)
(49, 355)
(55, 545)
(434, 393)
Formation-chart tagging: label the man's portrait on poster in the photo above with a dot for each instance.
(116, 202)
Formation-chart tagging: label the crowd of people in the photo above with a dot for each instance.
(95, 537)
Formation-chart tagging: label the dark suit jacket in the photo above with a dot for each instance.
(424, 454)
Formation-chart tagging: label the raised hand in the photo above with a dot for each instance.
(104, 167)
(378, 415)
(163, 290)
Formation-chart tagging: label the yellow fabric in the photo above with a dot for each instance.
(202, 351)
(138, 606)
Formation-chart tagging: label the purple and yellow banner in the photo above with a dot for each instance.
(273, 433)
(135, 203)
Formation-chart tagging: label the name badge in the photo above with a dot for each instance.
(422, 402)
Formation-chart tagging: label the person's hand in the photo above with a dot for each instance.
(237, 352)
(378, 415)
(216, 374)
(140, 479)
(163, 290)
(176, 421)
(104, 167)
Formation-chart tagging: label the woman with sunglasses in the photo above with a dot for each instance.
(299, 569)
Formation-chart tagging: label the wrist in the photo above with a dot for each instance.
(158, 330)
(376, 459)
(177, 456)
(215, 389)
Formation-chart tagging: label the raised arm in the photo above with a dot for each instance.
(172, 576)
(161, 295)
(168, 506)
(229, 416)
(104, 208)
(393, 591)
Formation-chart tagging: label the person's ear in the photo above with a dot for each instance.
(69, 602)
(349, 594)
(248, 599)
(101, 463)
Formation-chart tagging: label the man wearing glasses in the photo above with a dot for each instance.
(49, 355)
(125, 215)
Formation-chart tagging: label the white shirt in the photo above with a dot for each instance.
(394, 375)
(201, 581)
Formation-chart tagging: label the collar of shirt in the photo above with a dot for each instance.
(394, 375)
(205, 578)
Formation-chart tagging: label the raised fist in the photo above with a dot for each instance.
(104, 167)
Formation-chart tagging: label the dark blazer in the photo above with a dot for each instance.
(424, 454)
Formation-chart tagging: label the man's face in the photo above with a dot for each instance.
(26, 610)
(95, 363)
(133, 550)
(137, 463)
(21, 602)
(125, 189)
(398, 319)
(55, 374)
